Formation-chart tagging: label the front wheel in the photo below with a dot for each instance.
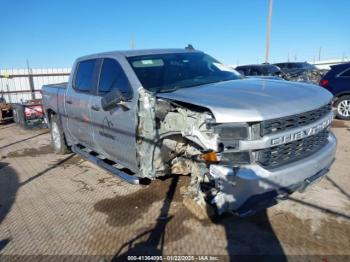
(57, 137)
(343, 108)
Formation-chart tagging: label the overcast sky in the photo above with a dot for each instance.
(54, 33)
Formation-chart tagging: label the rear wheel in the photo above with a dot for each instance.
(58, 140)
(343, 107)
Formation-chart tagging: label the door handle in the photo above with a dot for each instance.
(69, 102)
(95, 108)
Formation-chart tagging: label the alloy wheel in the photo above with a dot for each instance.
(344, 108)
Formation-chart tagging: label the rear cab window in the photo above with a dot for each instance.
(84, 77)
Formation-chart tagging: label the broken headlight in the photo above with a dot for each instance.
(229, 132)
(229, 136)
(235, 158)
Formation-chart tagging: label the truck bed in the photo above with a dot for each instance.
(53, 96)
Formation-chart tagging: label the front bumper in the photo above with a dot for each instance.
(247, 189)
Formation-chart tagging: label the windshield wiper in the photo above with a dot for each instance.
(168, 90)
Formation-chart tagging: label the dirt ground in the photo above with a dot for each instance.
(63, 205)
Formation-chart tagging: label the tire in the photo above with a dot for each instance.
(342, 106)
(58, 140)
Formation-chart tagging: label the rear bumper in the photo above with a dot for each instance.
(250, 188)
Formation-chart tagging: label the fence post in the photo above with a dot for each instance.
(31, 84)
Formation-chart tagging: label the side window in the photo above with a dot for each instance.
(254, 72)
(242, 70)
(84, 78)
(112, 76)
(345, 73)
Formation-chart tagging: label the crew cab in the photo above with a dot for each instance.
(144, 114)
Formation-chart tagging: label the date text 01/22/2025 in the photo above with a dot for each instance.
(173, 258)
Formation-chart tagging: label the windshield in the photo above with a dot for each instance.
(168, 72)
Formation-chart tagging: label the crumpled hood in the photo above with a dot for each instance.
(250, 100)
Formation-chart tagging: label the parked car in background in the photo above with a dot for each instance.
(301, 72)
(295, 67)
(337, 81)
(261, 70)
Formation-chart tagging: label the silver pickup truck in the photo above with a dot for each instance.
(144, 114)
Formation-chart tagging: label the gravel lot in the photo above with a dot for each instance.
(63, 205)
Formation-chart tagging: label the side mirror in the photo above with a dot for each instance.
(112, 99)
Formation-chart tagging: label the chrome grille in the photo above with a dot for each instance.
(287, 153)
(289, 122)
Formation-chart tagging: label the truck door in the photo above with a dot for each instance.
(114, 131)
(77, 102)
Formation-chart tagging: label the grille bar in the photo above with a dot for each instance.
(290, 122)
(287, 153)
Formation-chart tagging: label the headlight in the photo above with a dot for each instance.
(234, 158)
(231, 131)
(230, 134)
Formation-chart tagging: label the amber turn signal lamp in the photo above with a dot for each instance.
(210, 157)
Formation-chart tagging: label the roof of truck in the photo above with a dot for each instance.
(130, 53)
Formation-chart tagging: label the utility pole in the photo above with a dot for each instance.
(268, 32)
(319, 53)
(31, 81)
(132, 43)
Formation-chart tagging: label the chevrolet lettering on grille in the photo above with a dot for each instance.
(301, 134)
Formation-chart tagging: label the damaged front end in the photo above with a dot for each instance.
(180, 138)
(235, 167)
